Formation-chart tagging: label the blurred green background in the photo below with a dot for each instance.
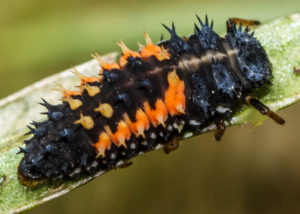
(250, 171)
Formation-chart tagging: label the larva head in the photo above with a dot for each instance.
(34, 168)
(252, 58)
(27, 175)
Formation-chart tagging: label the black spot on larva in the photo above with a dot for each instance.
(146, 85)
(68, 134)
(110, 76)
(135, 64)
(55, 116)
(219, 74)
(176, 44)
(208, 39)
(123, 98)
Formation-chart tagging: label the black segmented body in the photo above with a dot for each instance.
(218, 74)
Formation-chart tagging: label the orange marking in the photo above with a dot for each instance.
(71, 93)
(105, 65)
(174, 96)
(73, 103)
(67, 97)
(92, 90)
(140, 125)
(153, 50)
(90, 79)
(158, 115)
(126, 53)
(64, 91)
(84, 79)
(121, 135)
(102, 144)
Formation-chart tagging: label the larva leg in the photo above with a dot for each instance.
(172, 145)
(220, 129)
(263, 109)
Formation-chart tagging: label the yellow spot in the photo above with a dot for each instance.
(174, 96)
(67, 97)
(92, 90)
(105, 109)
(86, 121)
(102, 144)
(73, 103)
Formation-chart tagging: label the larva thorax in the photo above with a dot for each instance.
(150, 97)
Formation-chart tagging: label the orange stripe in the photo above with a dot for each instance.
(126, 53)
(174, 96)
(153, 50)
(71, 93)
(121, 135)
(158, 115)
(89, 79)
(140, 125)
(109, 66)
(102, 144)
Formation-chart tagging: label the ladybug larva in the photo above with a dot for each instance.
(150, 97)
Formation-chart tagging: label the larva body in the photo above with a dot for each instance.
(150, 97)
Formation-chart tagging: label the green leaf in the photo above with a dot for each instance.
(281, 39)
